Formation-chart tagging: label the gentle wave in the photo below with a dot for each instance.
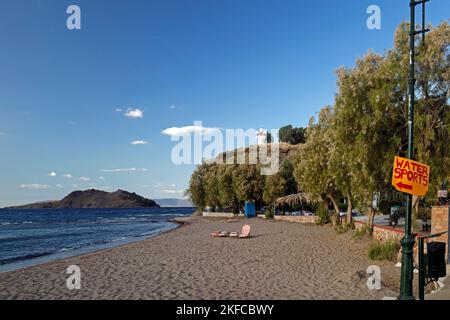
(28, 237)
(37, 237)
(75, 248)
(7, 223)
(24, 257)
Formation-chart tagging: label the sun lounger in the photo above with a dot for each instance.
(245, 233)
(220, 234)
(215, 234)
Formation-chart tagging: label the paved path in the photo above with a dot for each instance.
(444, 293)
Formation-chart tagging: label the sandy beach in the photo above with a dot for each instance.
(281, 260)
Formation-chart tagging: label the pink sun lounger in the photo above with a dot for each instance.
(245, 233)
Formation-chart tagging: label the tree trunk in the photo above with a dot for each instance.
(371, 218)
(349, 209)
(336, 208)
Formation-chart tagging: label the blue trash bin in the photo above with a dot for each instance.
(249, 209)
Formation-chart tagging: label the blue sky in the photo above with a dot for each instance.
(229, 63)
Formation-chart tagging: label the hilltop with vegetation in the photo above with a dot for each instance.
(286, 151)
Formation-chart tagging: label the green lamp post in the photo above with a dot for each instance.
(406, 278)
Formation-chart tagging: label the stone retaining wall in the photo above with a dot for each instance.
(218, 214)
(297, 219)
(383, 233)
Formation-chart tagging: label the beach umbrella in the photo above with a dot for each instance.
(293, 200)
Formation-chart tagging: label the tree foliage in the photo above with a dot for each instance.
(292, 135)
(274, 188)
(312, 169)
(196, 190)
(287, 174)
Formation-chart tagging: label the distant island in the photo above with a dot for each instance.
(95, 199)
(174, 203)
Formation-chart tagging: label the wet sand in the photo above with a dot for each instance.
(281, 260)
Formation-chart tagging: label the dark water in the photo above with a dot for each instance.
(29, 237)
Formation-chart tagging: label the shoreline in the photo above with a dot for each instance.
(280, 261)
(39, 261)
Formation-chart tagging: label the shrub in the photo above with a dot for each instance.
(386, 250)
(322, 214)
(345, 227)
(268, 213)
(361, 232)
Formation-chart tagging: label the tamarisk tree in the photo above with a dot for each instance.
(312, 169)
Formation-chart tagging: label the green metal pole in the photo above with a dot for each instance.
(421, 270)
(423, 23)
(406, 278)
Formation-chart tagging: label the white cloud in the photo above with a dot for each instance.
(170, 191)
(124, 170)
(134, 113)
(85, 179)
(172, 107)
(138, 142)
(102, 179)
(34, 186)
(118, 110)
(68, 176)
(59, 185)
(161, 185)
(52, 174)
(180, 131)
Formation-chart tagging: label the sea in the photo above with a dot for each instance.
(35, 236)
